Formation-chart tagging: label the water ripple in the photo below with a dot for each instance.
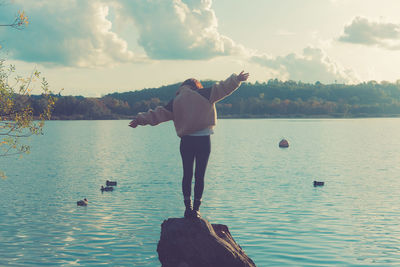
(263, 193)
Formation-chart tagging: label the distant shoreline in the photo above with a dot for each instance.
(295, 116)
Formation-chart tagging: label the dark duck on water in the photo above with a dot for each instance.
(83, 202)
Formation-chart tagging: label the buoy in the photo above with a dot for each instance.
(83, 202)
(111, 183)
(316, 183)
(107, 188)
(283, 143)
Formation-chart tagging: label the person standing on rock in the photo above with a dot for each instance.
(194, 115)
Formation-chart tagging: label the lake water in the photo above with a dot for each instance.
(263, 193)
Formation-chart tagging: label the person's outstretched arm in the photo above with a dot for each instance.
(152, 117)
(224, 88)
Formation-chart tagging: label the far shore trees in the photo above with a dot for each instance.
(271, 99)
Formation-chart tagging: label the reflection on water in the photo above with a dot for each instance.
(263, 193)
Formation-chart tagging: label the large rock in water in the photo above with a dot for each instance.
(197, 243)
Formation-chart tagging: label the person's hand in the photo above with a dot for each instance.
(243, 76)
(133, 123)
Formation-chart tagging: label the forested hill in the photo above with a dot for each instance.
(271, 99)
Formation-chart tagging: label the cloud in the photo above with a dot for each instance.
(81, 33)
(312, 65)
(66, 32)
(179, 29)
(372, 33)
(84, 34)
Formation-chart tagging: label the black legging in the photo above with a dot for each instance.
(194, 148)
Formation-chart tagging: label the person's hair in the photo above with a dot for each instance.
(193, 83)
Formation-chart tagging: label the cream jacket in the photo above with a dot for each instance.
(191, 110)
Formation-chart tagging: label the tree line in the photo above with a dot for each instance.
(274, 98)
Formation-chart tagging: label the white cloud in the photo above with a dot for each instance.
(81, 33)
(67, 32)
(311, 66)
(372, 33)
(179, 29)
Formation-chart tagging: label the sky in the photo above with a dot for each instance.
(96, 47)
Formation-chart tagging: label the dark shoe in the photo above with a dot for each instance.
(188, 213)
(196, 204)
(189, 208)
(196, 207)
(196, 214)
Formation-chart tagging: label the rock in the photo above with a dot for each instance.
(197, 243)
(284, 143)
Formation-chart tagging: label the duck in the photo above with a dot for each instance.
(107, 188)
(283, 143)
(83, 202)
(111, 183)
(317, 183)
